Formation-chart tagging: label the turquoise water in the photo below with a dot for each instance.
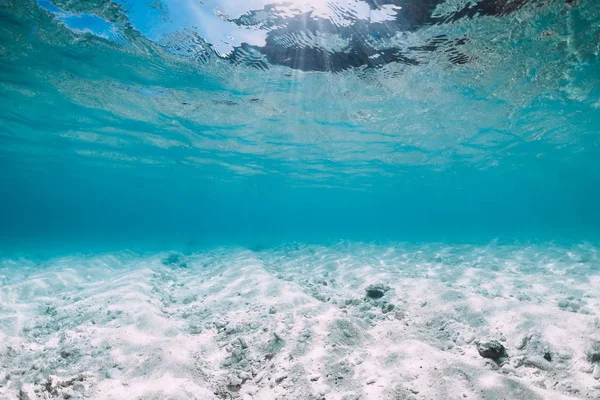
(339, 200)
(188, 122)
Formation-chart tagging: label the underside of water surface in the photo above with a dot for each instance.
(304, 199)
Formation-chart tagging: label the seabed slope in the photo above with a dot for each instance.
(297, 322)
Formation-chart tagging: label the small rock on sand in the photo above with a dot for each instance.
(174, 260)
(376, 291)
(491, 349)
(592, 353)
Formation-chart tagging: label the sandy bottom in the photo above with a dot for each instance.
(296, 322)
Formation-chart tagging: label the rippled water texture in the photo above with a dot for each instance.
(341, 118)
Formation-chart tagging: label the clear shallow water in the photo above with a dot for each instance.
(253, 123)
(199, 199)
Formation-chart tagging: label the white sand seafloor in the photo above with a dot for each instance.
(294, 322)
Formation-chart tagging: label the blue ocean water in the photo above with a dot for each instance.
(253, 123)
(301, 199)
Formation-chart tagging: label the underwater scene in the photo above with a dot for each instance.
(300, 199)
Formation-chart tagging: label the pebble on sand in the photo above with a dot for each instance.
(592, 353)
(491, 349)
(376, 291)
